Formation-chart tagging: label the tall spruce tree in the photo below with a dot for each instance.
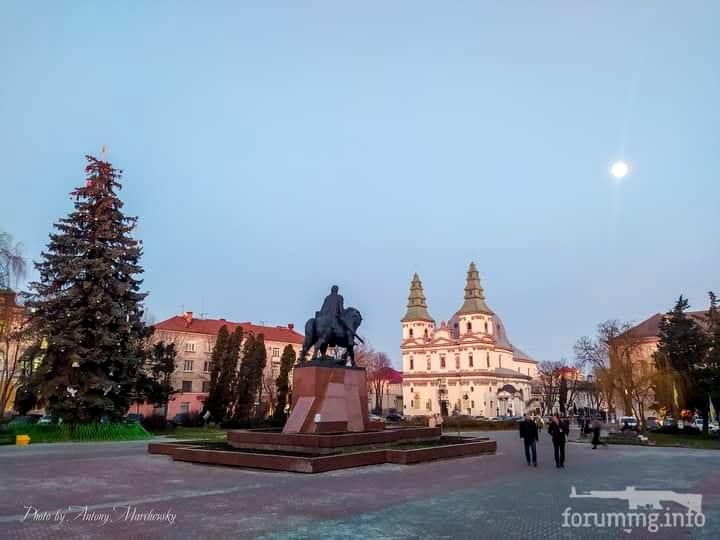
(712, 360)
(680, 356)
(282, 383)
(87, 304)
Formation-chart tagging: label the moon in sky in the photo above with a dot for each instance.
(619, 170)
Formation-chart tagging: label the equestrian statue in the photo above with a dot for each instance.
(333, 326)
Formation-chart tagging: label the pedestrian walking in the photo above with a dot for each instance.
(558, 432)
(529, 435)
(596, 433)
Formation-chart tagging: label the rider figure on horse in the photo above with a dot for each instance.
(333, 309)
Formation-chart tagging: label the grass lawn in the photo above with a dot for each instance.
(210, 433)
(49, 433)
(685, 441)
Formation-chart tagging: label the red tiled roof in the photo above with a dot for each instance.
(391, 375)
(212, 327)
(650, 328)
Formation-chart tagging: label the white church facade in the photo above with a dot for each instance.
(467, 365)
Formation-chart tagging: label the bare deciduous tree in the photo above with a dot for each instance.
(13, 322)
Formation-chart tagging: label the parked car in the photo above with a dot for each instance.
(669, 422)
(653, 424)
(135, 418)
(376, 418)
(630, 421)
(180, 419)
(394, 417)
(24, 419)
(698, 423)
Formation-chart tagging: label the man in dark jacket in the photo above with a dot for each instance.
(529, 435)
(558, 431)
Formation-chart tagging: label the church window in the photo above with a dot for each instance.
(428, 363)
(469, 327)
(499, 360)
(472, 404)
(487, 359)
(426, 334)
(411, 332)
(457, 361)
(470, 360)
(412, 363)
(472, 389)
(486, 327)
(428, 405)
(442, 361)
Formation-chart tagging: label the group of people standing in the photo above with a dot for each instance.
(558, 429)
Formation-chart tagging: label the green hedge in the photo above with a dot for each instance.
(465, 422)
(46, 433)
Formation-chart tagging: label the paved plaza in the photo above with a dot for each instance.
(478, 497)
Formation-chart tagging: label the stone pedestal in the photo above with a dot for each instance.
(328, 400)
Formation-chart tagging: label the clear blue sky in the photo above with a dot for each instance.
(400, 137)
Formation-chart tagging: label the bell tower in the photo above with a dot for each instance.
(417, 324)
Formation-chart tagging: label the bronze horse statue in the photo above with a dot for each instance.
(321, 333)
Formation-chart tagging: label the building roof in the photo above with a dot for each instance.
(522, 356)
(650, 327)
(474, 295)
(186, 323)
(417, 307)
(393, 376)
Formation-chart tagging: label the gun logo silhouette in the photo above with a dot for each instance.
(645, 500)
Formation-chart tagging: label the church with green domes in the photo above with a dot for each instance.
(466, 365)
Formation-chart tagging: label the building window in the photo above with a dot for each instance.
(276, 352)
(190, 346)
(412, 363)
(469, 327)
(188, 365)
(411, 332)
(472, 404)
(499, 360)
(470, 360)
(486, 327)
(187, 386)
(207, 366)
(487, 359)
(457, 361)
(426, 334)
(185, 407)
(206, 386)
(428, 405)
(428, 363)
(442, 361)
(472, 389)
